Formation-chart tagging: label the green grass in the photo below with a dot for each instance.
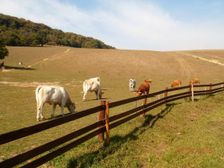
(183, 134)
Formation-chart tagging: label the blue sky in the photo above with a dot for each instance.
(131, 24)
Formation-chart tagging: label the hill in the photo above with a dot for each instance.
(20, 32)
(70, 66)
(186, 134)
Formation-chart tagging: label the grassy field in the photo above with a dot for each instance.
(184, 135)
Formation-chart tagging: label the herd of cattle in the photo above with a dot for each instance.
(57, 95)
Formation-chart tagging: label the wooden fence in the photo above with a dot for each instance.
(47, 151)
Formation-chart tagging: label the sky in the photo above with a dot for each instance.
(131, 24)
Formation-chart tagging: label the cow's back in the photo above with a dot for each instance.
(91, 84)
(144, 87)
(51, 94)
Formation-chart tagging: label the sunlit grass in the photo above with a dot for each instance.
(185, 134)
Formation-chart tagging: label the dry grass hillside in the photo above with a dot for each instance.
(115, 67)
(70, 66)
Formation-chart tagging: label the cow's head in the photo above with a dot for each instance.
(71, 107)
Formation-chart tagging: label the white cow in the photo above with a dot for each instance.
(132, 85)
(92, 85)
(54, 95)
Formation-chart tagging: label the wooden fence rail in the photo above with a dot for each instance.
(104, 125)
(14, 135)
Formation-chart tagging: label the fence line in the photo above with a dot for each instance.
(23, 132)
(104, 125)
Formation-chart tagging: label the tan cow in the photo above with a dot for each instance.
(194, 81)
(176, 83)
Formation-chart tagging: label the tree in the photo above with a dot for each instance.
(21, 32)
(41, 38)
(3, 50)
(90, 43)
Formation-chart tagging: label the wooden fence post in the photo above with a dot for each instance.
(210, 89)
(166, 94)
(192, 92)
(101, 116)
(144, 103)
(107, 123)
(104, 115)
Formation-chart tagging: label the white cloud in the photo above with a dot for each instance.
(123, 24)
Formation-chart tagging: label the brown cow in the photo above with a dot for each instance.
(144, 88)
(176, 83)
(194, 81)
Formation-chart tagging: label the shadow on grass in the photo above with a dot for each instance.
(58, 116)
(94, 99)
(116, 141)
(17, 68)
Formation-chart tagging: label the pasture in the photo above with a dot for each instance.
(185, 135)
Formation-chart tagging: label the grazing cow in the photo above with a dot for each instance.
(132, 85)
(144, 88)
(54, 95)
(176, 83)
(194, 81)
(92, 85)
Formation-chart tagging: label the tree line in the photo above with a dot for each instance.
(3, 51)
(20, 32)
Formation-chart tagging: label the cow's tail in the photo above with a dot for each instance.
(84, 86)
(37, 93)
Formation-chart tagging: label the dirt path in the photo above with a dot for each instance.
(35, 84)
(53, 57)
(27, 84)
(214, 61)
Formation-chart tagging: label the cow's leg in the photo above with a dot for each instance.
(97, 94)
(53, 110)
(100, 93)
(38, 111)
(62, 106)
(84, 96)
(41, 112)
(62, 110)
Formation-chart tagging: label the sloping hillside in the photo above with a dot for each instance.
(116, 66)
(172, 141)
(70, 66)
